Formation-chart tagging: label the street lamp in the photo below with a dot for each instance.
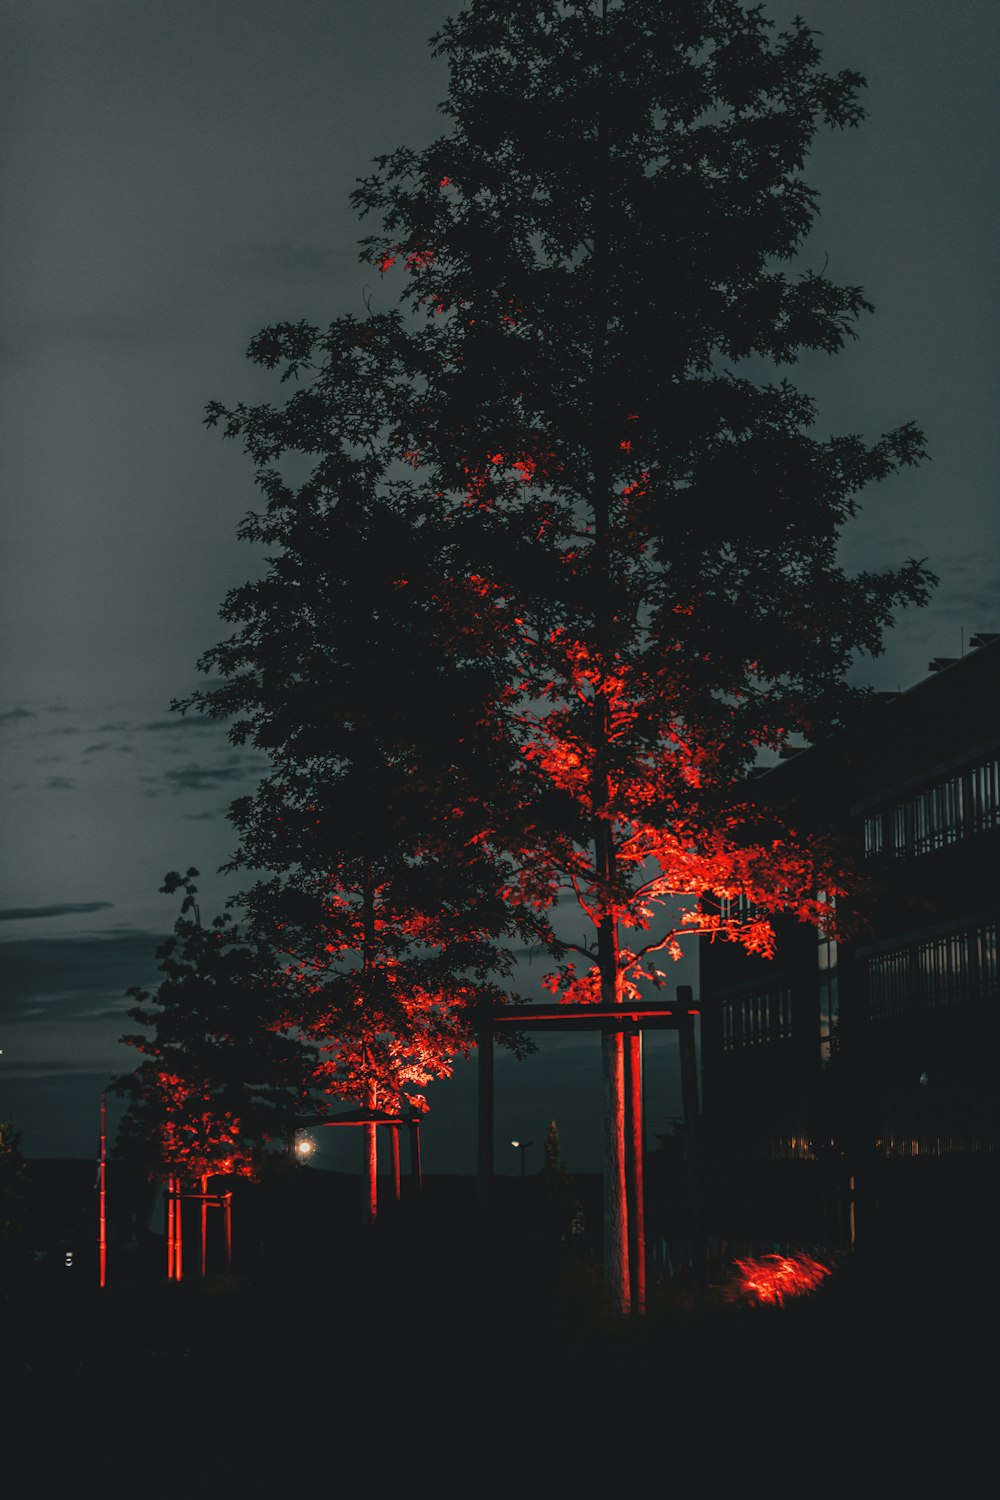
(522, 1146)
(303, 1147)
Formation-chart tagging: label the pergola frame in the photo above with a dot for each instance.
(632, 1018)
(356, 1117)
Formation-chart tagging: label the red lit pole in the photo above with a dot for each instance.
(370, 1164)
(634, 1170)
(484, 1052)
(616, 1267)
(102, 1229)
(416, 1170)
(394, 1147)
(174, 1220)
(170, 1228)
(689, 1095)
(204, 1226)
(228, 1204)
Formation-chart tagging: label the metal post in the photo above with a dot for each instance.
(102, 1227)
(171, 1214)
(689, 1094)
(484, 1046)
(416, 1170)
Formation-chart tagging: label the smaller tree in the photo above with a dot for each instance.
(358, 668)
(220, 1080)
(384, 966)
(557, 1190)
(13, 1196)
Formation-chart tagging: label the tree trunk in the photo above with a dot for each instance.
(394, 1148)
(616, 1207)
(634, 1170)
(369, 1133)
(616, 1267)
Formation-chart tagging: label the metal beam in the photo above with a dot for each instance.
(592, 1017)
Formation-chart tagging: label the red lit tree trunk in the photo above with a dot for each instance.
(616, 1266)
(616, 1206)
(369, 1133)
(204, 1225)
(634, 1170)
(394, 1148)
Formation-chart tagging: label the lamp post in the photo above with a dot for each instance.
(522, 1146)
(303, 1146)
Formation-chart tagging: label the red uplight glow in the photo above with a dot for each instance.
(772, 1279)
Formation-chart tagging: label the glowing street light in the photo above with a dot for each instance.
(304, 1146)
(522, 1146)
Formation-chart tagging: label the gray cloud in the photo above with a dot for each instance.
(76, 978)
(18, 713)
(60, 784)
(63, 909)
(35, 1068)
(195, 778)
(182, 723)
(291, 262)
(978, 599)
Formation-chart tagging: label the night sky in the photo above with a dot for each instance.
(176, 176)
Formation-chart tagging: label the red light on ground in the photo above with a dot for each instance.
(771, 1279)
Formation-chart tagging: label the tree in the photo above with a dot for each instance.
(557, 1189)
(348, 671)
(383, 971)
(596, 259)
(633, 524)
(220, 1081)
(13, 1199)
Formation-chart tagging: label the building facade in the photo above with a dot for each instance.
(879, 1050)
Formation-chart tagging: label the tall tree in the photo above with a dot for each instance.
(632, 522)
(352, 669)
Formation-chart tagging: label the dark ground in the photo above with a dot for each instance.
(423, 1351)
(432, 1347)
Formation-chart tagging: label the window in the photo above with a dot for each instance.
(984, 796)
(943, 970)
(752, 1019)
(938, 815)
(888, 983)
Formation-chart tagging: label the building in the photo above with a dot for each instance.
(831, 1070)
